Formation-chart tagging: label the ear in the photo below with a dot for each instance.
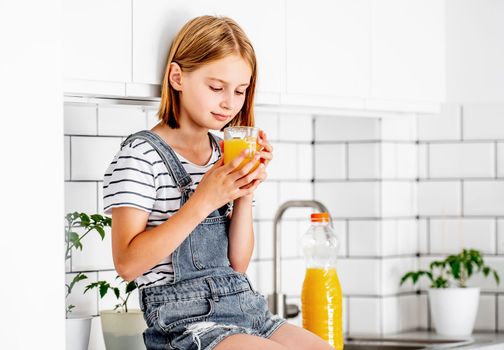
(175, 76)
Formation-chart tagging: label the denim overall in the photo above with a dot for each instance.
(207, 300)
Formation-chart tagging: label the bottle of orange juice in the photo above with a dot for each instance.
(321, 298)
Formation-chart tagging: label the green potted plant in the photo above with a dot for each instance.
(453, 304)
(78, 327)
(122, 327)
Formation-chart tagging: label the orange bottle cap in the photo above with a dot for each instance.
(319, 217)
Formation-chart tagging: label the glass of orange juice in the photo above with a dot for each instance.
(237, 139)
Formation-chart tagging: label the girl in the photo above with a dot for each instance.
(174, 231)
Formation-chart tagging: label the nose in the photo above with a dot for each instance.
(228, 101)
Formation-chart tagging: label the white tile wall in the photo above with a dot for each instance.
(400, 314)
(121, 121)
(349, 199)
(500, 159)
(500, 312)
(295, 128)
(269, 123)
(80, 196)
(392, 271)
(80, 119)
(500, 236)
(483, 121)
(399, 237)
(448, 236)
(96, 254)
(399, 161)
(398, 199)
(285, 163)
(363, 160)
(445, 126)
(346, 129)
(305, 165)
(264, 240)
(266, 197)
(67, 157)
(484, 197)
(92, 156)
(439, 198)
(364, 238)
(462, 160)
(364, 316)
(485, 318)
(368, 270)
(152, 117)
(330, 162)
(295, 191)
(423, 238)
(403, 128)
(423, 165)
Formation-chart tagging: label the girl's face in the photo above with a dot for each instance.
(213, 94)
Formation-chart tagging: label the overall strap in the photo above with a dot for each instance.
(174, 166)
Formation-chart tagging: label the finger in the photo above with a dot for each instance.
(247, 168)
(250, 177)
(235, 163)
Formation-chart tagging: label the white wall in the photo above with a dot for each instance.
(31, 180)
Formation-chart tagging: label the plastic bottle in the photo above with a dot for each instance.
(321, 298)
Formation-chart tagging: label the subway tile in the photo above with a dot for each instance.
(368, 271)
(340, 228)
(260, 274)
(293, 273)
(484, 197)
(500, 159)
(305, 162)
(399, 237)
(392, 271)
(403, 128)
(67, 157)
(96, 253)
(285, 162)
(500, 313)
(269, 123)
(423, 236)
(295, 128)
(364, 161)
(264, 240)
(390, 315)
(445, 126)
(99, 189)
(364, 238)
(439, 198)
(450, 236)
(152, 117)
(409, 310)
(256, 249)
(500, 237)
(80, 119)
(423, 161)
(109, 301)
(399, 161)
(296, 191)
(85, 304)
(486, 316)
(330, 162)
(488, 284)
(266, 200)
(336, 197)
(423, 312)
(483, 121)
(364, 316)
(399, 199)
(120, 121)
(81, 197)
(92, 155)
(328, 128)
(291, 239)
(462, 160)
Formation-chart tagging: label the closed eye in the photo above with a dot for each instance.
(215, 89)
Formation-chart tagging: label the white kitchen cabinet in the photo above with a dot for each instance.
(97, 45)
(408, 50)
(155, 23)
(328, 50)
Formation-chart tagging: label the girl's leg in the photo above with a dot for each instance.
(297, 338)
(248, 342)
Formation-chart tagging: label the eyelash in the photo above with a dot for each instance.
(220, 89)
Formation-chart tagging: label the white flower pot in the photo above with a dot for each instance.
(77, 333)
(123, 330)
(454, 310)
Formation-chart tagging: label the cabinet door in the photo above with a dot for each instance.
(155, 23)
(97, 40)
(408, 49)
(328, 47)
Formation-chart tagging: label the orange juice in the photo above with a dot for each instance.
(233, 148)
(321, 301)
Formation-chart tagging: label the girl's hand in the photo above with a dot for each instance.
(266, 152)
(224, 183)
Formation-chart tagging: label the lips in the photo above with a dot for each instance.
(220, 117)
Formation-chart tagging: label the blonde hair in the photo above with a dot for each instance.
(203, 40)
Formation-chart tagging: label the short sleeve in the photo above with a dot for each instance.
(129, 181)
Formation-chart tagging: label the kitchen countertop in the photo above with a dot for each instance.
(478, 340)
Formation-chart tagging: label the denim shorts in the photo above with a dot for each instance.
(200, 313)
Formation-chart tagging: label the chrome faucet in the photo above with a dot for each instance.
(277, 300)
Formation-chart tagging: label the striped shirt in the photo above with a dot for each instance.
(138, 178)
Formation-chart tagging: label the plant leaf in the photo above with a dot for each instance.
(131, 286)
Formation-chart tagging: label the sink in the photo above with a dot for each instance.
(355, 343)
